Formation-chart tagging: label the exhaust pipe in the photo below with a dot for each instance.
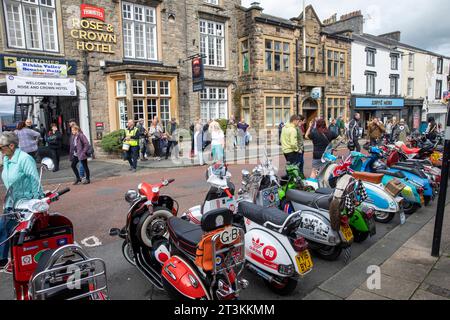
(266, 276)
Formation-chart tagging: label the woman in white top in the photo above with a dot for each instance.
(217, 141)
(198, 142)
(156, 132)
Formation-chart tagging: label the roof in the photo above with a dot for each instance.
(276, 20)
(371, 42)
(300, 17)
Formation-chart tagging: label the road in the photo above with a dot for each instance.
(97, 207)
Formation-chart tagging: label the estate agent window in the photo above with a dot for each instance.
(278, 109)
(336, 64)
(139, 32)
(31, 24)
(277, 55)
(212, 43)
(213, 104)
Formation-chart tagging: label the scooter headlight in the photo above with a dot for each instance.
(40, 206)
(131, 196)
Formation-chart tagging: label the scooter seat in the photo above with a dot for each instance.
(375, 178)
(407, 150)
(411, 170)
(184, 234)
(314, 200)
(261, 215)
(397, 174)
(324, 191)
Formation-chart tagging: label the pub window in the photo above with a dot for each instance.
(138, 109)
(277, 56)
(336, 63)
(278, 110)
(212, 43)
(121, 93)
(246, 109)
(311, 58)
(213, 104)
(139, 32)
(31, 24)
(138, 87)
(438, 89)
(245, 57)
(440, 63)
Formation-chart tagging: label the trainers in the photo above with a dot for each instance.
(86, 181)
(76, 182)
(134, 170)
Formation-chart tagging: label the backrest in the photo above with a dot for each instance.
(215, 219)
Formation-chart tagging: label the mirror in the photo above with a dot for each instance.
(48, 164)
(245, 173)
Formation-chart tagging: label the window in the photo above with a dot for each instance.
(335, 107)
(336, 63)
(139, 32)
(121, 93)
(277, 56)
(138, 87)
(394, 62)
(121, 88)
(311, 58)
(411, 62)
(370, 60)
(245, 57)
(438, 89)
(213, 104)
(410, 88)
(212, 43)
(31, 24)
(440, 63)
(138, 109)
(278, 109)
(370, 82)
(246, 109)
(216, 2)
(394, 85)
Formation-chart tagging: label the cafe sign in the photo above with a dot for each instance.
(379, 103)
(93, 36)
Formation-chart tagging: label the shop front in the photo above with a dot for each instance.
(413, 113)
(439, 112)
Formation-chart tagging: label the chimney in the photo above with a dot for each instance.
(255, 9)
(353, 21)
(392, 35)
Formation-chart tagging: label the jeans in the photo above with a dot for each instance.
(82, 172)
(7, 224)
(241, 141)
(157, 146)
(292, 157)
(143, 147)
(301, 163)
(132, 156)
(169, 145)
(84, 165)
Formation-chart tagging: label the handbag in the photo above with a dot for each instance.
(125, 147)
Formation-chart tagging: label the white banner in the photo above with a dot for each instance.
(34, 69)
(27, 86)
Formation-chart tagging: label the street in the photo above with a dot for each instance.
(95, 208)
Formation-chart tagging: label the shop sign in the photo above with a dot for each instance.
(47, 70)
(28, 86)
(100, 126)
(379, 103)
(9, 62)
(316, 93)
(88, 11)
(198, 77)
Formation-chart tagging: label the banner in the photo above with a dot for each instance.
(198, 77)
(88, 11)
(27, 86)
(46, 70)
(8, 62)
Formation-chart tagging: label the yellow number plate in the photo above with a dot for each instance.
(347, 232)
(304, 262)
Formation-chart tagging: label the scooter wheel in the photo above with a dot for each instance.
(329, 253)
(128, 253)
(359, 237)
(384, 217)
(153, 225)
(286, 288)
(410, 207)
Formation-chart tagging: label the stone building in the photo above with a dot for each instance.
(280, 76)
(130, 59)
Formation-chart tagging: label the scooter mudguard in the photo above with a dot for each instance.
(181, 279)
(409, 192)
(428, 190)
(358, 222)
(194, 214)
(379, 199)
(269, 251)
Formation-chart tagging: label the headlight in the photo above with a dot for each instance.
(39, 206)
(131, 196)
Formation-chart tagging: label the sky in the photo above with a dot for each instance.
(424, 24)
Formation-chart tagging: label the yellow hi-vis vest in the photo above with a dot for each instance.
(132, 133)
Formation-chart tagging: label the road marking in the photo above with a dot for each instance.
(90, 242)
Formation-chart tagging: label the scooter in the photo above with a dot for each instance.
(201, 262)
(412, 193)
(47, 264)
(384, 204)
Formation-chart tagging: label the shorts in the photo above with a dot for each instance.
(317, 164)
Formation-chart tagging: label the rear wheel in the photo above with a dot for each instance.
(384, 217)
(359, 236)
(284, 288)
(329, 253)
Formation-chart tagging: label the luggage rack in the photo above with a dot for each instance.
(77, 278)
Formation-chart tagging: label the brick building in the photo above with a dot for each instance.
(130, 59)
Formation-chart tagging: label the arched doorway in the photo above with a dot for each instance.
(310, 109)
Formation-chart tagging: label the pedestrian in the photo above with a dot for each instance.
(73, 123)
(217, 141)
(320, 137)
(172, 133)
(388, 133)
(333, 126)
(131, 145)
(232, 133)
(54, 141)
(280, 129)
(198, 142)
(376, 130)
(156, 132)
(206, 135)
(20, 173)
(341, 125)
(401, 131)
(79, 149)
(394, 126)
(354, 133)
(301, 146)
(289, 140)
(28, 139)
(43, 132)
(432, 129)
(242, 128)
(143, 139)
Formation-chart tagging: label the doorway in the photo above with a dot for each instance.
(310, 111)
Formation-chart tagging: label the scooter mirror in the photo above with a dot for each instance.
(245, 173)
(48, 164)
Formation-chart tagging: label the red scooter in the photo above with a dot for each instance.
(201, 262)
(46, 262)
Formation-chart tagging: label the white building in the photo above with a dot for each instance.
(437, 82)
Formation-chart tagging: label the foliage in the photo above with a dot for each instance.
(223, 124)
(113, 142)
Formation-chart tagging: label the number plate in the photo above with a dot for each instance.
(304, 262)
(347, 232)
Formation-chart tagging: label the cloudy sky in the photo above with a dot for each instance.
(424, 24)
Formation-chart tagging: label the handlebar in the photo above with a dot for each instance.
(63, 191)
(55, 196)
(170, 181)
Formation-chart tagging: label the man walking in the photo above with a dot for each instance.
(132, 139)
(341, 125)
(143, 139)
(289, 140)
(172, 132)
(354, 134)
(376, 130)
(301, 145)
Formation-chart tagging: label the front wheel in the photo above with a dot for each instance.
(329, 253)
(284, 287)
(384, 217)
(153, 225)
(128, 253)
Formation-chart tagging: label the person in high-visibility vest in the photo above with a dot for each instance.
(131, 142)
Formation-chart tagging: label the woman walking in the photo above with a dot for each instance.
(156, 132)
(28, 139)
(79, 148)
(198, 143)
(217, 141)
(54, 140)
